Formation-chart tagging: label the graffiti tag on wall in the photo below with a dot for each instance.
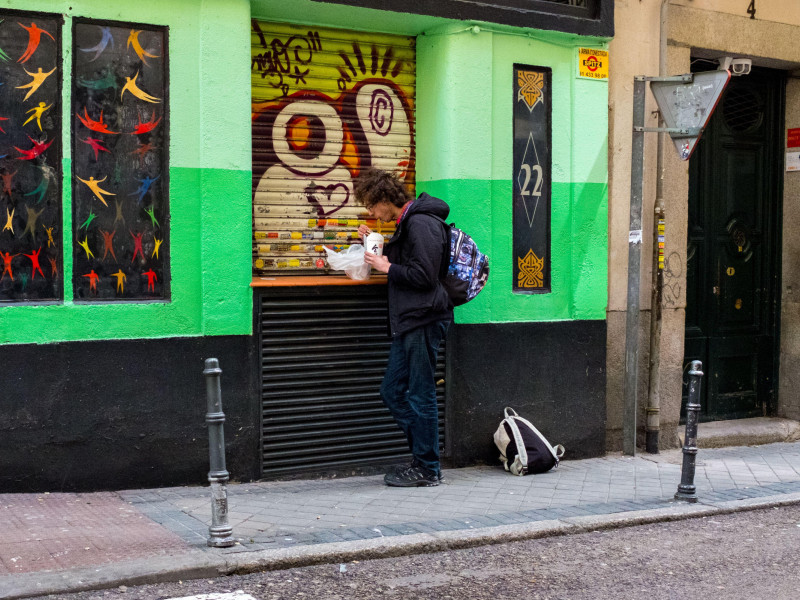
(326, 105)
(30, 157)
(120, 179)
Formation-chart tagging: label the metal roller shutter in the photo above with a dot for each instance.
(323, 354)
(327, 103)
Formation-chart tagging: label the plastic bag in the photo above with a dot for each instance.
(351, 261)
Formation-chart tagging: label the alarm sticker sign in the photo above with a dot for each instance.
(592, 64)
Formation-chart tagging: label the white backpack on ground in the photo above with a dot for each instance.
(523, 449)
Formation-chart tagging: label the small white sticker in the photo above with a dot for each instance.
(635, 236)
(793, 161)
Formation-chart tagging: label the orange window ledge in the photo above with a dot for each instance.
(314, 280)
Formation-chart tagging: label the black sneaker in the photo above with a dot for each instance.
(411, 476)
(397, 468)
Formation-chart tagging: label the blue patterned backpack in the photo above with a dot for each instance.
(468, 268)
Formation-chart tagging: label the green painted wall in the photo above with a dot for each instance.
(464, 131)
(210, 154)
(464, 148)
(464, 155)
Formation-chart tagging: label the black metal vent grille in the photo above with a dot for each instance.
(743, 109)
(323, 354)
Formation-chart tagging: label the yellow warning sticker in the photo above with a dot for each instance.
(592, 64)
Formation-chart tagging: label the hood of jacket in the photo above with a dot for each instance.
(427, 204)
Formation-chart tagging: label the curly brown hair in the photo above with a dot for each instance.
(376, 185)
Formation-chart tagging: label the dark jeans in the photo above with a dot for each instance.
(409, 390)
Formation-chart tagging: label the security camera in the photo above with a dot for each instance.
(737, 66)
(741, 66)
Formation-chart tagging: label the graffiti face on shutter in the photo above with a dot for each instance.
(327, 104)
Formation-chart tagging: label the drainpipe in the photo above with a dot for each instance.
(653, 425)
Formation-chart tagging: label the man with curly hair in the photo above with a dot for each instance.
(420, 311)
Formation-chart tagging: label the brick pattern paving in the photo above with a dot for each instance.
(47, 532)
(275, 514)
(44, 532)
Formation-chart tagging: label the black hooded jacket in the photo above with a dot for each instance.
(418, 252)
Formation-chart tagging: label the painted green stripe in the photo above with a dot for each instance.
(579, 243)
(210, 249)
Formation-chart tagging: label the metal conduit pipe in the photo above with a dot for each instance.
(653, 422)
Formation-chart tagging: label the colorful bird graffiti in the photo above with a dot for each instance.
(121, 279)
(3, 55)
(97, 146)
(34, 256)
(107, 82)
(38, 111)
(133, 40)
(93, 279)
(99, 126)
(94, 185)
(9, 226)
(37, 150)
(34, 37)
(37, 79)
(130, 86)
(7, 258)
(108, 243)
(48, 178)
(85, 245)
(8, 179)
(31, 131)
(146, 127)
(30, 225)
(119, 86)
(105, 40)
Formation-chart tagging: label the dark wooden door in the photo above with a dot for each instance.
(735, 183)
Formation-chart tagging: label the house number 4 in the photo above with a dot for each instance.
(751, 9)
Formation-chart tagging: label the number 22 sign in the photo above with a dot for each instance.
(531, 159)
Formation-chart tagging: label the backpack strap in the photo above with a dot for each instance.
(554, 450)
(521, 460)
(557, 451)
(445, 264)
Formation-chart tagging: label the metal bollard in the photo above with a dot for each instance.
(220, 532)
(686, 489)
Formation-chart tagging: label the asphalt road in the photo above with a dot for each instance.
(747, 555)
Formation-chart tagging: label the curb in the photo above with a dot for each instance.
(200, 564)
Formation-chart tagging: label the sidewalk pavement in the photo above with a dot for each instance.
(58, 543)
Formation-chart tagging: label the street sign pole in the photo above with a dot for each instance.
(634, 262)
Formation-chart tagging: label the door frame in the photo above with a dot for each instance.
(773, 241)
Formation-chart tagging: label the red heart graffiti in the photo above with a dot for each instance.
(322, 197)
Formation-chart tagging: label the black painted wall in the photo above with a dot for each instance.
(597, 19)
(122, 414)
(553, 374)
(131, 413)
